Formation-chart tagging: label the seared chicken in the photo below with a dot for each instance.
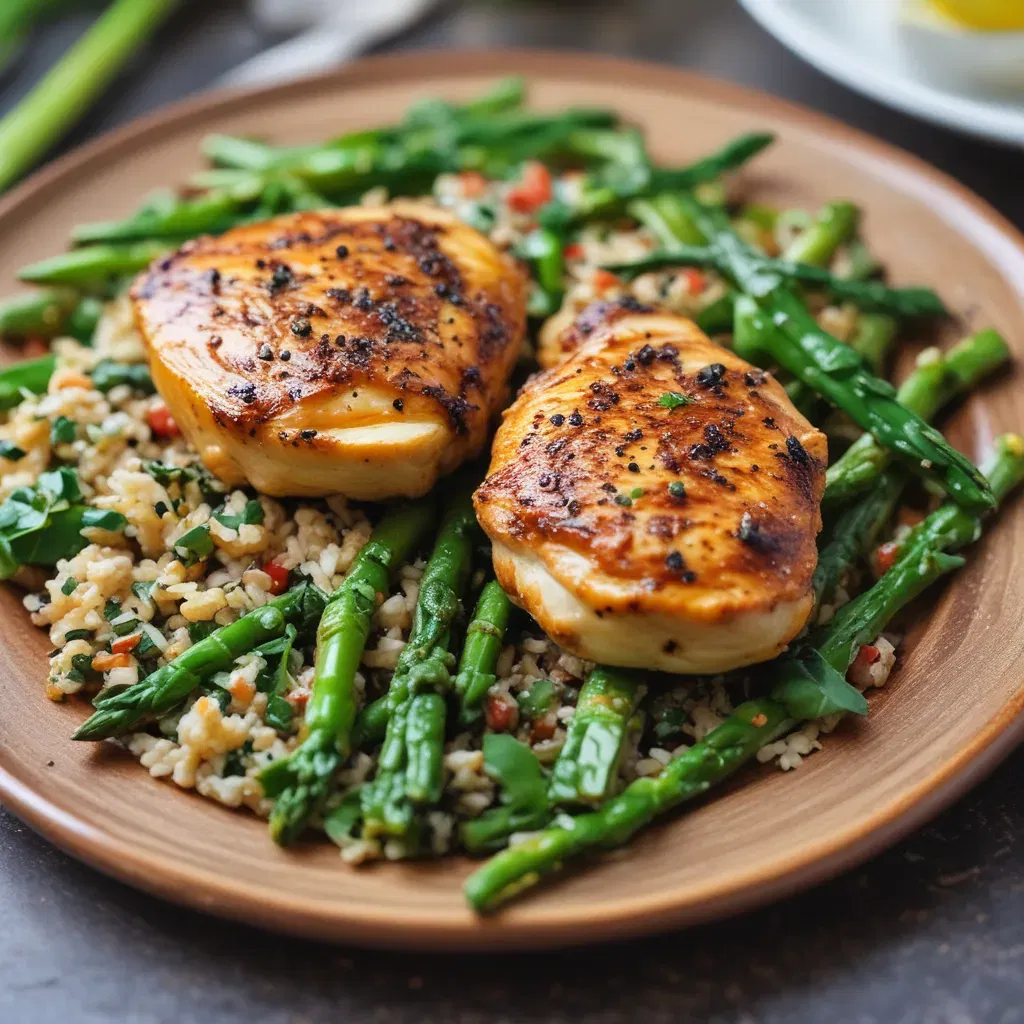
(360, 351)
(653, 500)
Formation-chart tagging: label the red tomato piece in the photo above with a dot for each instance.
(161, 422)
(278, 577)
(532, 190)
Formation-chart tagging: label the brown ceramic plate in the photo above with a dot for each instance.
(951, 711)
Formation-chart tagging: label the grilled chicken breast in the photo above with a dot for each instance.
(653, 500)
(360, 351)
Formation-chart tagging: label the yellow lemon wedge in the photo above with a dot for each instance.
(984, 15)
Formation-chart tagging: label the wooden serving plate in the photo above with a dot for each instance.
(950, 712)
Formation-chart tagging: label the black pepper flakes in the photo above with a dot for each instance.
(633, 467)
(341, 252)
(575, 420)
(266, 353)
(301, 328)
(398, 404)
(710, 376)
(307, 435)
(646, 355)
(558, 419)
(285, 355)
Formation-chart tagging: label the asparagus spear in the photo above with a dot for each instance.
(171, 683)
(752, 725)
(823, 362)
(480, 652)
(587, 764)
(40, 313)
(95, 267)
(31, 375)
(835, 224)
(873, 338)
(868, 295)
(409, 766)
(70, 87)
(300, 783)
(932, 385)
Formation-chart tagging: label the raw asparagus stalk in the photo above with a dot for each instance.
(30, 375)
(931, 386)
(755, 723)
(588, 762)
(171, 683)
(300, 783)
(414, 734)
(480, 652)
(836, 372)
(70, 87)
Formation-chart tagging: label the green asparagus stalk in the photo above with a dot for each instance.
(868, 295)
(409, 767)
(300, 783)
(480, 652)
(931, 386)
(835, 224)
(40, 313)
(70, 87)
(588, 762)
(873, 338)
(30, 375)
(752, 725)
(170, 684)
(836, 372)
(94, 268)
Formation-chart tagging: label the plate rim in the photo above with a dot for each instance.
(977, 117)
(541, 929)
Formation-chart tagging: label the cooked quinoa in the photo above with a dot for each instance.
(132, 600)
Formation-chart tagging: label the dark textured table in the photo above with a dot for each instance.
(929, 933)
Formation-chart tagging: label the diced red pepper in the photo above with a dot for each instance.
(473, 183)
(161, 422)
(573, 251)
(278, 577)
(605, 279)
(124, 644)
(544, 727)
(866, 657)
(885, 556)
(696, 282)
(501, 712)
(532, 190)
(104, 662)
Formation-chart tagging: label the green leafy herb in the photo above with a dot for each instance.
(77, 634)
(195, 545)
(673, 400)
(811, 688)
(112, 609)
(108, 373)
(637, 492)
(677, 489)
(535, 701)
(10, 451)
(517, 770)
(340, 821)
(279, 713)
(199, 630)
(62, 430)
(42, 524)
(126, 627)
(251, 514)
(144, 591)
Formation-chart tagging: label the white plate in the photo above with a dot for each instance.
(857, 42)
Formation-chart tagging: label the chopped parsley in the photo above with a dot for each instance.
(251, 514)
(10, 451)
(673, 400)
(195, 545)
(70, 586)
(62, 430)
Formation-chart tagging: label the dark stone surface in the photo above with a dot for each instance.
(929, 933)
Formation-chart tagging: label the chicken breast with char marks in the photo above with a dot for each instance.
(360, 351)
(653, 500)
